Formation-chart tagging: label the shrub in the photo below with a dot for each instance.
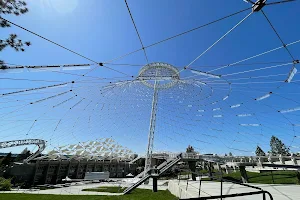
(5, 184)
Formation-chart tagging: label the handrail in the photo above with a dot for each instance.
(243, 184)
(233, 195)
(136, 159)
(148, 174)
(135, 185)
(170, 164)
(261, 191)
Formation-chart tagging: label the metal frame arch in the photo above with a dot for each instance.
(14, 143)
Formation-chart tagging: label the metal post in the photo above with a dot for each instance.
(210, 171)
(151, 127)
(221, 185)
(187, 184)
(200, 186)
(272, 176)
(221, 188)
(154, 184)
(243, 174)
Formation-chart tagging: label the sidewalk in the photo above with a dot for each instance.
(279, 192)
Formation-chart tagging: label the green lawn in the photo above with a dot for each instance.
(106, 189)
(279, 177)
(137, 194)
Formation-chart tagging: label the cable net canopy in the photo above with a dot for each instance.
(217, 108)
(202, 111)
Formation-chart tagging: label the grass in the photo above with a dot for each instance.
(279, 177)
(106, 189)
(204, 171)
(137, 194)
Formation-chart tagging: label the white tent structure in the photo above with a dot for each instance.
(103, 148)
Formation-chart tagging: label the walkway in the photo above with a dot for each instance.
(279, 192)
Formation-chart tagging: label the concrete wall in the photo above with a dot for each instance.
(52, 172)
(22, 173)
(178, 190)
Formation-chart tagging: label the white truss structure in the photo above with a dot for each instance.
(14, 143)
(103, 148)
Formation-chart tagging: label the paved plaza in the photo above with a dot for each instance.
(279, 192)
(181, 189)
(77, 189)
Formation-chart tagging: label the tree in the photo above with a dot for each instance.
(6, 160)
(5, 184)
(192, 164)
(11, 7)
(259, 151)
(277, 147)
(230, 154)
(190, 149)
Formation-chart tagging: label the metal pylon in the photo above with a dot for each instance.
(152, 127)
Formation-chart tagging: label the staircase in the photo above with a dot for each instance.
(168, 166)
(162, 168)
(159, 167)
(140, 174)
(136, 159)
(135, 185)
(164, 164)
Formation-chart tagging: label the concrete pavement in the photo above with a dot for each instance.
(183, 189)
(77, 189)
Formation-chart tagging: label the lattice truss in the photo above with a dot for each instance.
(216, 109)
(103, 148)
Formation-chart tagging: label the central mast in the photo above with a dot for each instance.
(157, 76)
(152, 126)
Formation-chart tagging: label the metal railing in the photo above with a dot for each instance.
(234, 195)
(224, 196)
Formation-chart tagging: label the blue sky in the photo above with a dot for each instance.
(102, 30)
